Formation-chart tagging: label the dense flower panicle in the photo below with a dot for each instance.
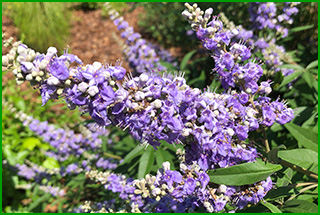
(181, 191)
(143, 56)
(264, 15)
(273, 54)
(157, 108)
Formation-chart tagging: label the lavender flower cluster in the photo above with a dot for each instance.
(142, 56)
(67, 144)
(264, 15)
(181, 191)
(274, 55)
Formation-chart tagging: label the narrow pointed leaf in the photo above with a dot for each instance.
(304, 136)
(146, 162)
(271, 207)
(242, 174)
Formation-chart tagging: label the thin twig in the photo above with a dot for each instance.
(299, 169)
(302, 190)
(112, 156)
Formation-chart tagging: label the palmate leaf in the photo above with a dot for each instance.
(242, 174)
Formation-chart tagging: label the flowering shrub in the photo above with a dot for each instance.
(225, 160)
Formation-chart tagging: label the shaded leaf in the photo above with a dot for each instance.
(134, 153)
(271, 207)
(290, 78)
(313, 64)
(186, 58)
(146, 162)
(304, 136)
(301, 28)
(300, 206)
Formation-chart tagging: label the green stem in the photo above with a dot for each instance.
(112, 156)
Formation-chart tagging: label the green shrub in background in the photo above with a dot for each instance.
(169, 30)
(41, 24)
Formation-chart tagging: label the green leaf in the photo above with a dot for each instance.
(242, 174)
(286, 179)
(290, 78)
(21, 156)
(51, 163)
(280, 192)
(30, 143)
(300, 206)
(271, 207)
(186, 58)
(301, 28)
(313, 64)
(292, 66)
(134, 153)
(169, 66)
(301, 157)
(34, 204)
(159, 157)
(308, 77)
(304, 136)
(273, 154)
(146, 162)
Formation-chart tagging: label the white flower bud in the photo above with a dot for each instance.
(59, 91)
(112, 83)
(15, 71)
(38, 78)
(67, 82)
(138, 96)
(34, 73)
(93, 90)
(22, 49)
(41, 73)
(230, 131)
(29, 77)
(97, 65)
(5, 60)
(43, 64)
(83, 86)
(156, 191)
(19, 81)
(143, 77)
(53, 81)
(268, 90)
(248, 90)
(183, 167)
(19, 75)
(185, 132)
(157, 103)
(222, 188)
(166, 165)
(52, 50)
